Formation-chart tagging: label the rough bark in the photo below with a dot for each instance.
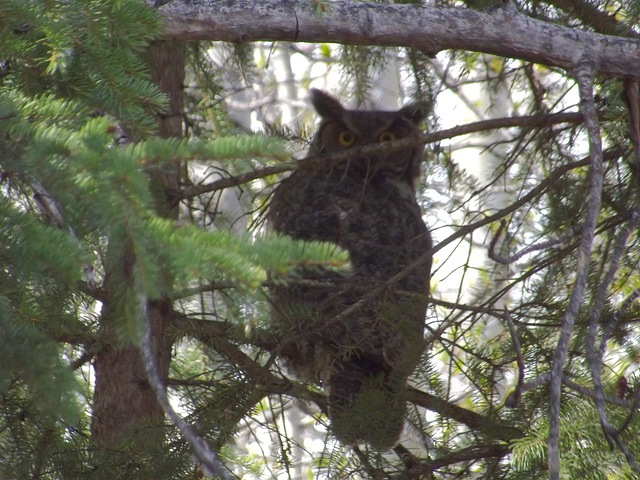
(501, 31)
(167, 62)
(124, 403)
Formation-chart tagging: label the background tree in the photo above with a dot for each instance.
(116, 231)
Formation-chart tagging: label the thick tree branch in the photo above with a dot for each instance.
(515, 396)
(502, 31)
(590, 14)
(562, 238)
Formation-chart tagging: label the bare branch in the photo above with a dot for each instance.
(636, 404)
(468, 308)
(485, 125)
(545, 377)
(525, 251)
(471, 419)
(584, 77)
(514, 398)
(631, 95)
(608, 327)
(502, 31)
(475, 452)
(85, 358)
(420, 468)
(592, 356)
(200, 447)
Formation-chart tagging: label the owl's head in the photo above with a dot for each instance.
(343, 129)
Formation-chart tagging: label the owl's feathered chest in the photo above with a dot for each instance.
(311, 205)
(376, 219)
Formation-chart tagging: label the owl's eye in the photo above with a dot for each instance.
(386, 137)
(346, 138)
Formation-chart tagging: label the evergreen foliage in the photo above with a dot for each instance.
(82, 239)
(75, 204)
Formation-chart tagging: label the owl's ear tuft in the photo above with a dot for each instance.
(416, 112)
(325, 104)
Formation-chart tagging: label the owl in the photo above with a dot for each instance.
(367, 206)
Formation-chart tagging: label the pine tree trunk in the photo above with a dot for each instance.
(124, 403)
(125, 410)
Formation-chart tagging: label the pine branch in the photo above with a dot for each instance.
(589, 13)
(613, 321)
(216, 334)
(476, 452)
(222, 336)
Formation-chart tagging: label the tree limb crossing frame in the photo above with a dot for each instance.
(500, 31)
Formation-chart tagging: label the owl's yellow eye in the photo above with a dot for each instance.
(346, 138)
(386, 137)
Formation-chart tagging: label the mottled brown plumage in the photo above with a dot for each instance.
(367, 206)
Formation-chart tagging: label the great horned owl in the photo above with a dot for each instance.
(366, 206)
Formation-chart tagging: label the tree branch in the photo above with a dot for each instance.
(584, 77)
(513, 399)
(475, 452)
(489, 427)
(531, 121)
(592, 356)
(216, 334)
(588, 12)
(563, 237)
(545, 377)
(200, 447)
(501, 31)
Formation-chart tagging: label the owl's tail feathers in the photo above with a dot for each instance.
(364, 406)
